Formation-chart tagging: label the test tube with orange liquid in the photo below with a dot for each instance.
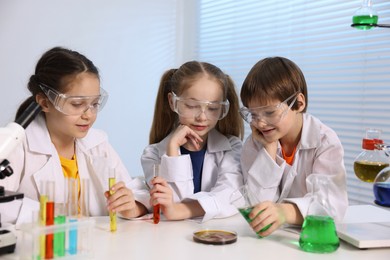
(156, 208)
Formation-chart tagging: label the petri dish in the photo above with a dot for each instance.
(215, 237)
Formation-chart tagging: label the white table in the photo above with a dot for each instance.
(141, 239)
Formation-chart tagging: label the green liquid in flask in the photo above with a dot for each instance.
(245, 213)
(371, 19)
(319, 235)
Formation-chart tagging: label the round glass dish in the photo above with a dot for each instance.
(215, 237)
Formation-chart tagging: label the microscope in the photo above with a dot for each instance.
(11, 136)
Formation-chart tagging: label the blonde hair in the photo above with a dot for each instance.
(177, 80)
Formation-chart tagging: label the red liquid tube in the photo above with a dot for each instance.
(49, 219)
(156, 208)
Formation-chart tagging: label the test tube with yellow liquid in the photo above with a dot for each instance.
(111, 182)
(42, 220)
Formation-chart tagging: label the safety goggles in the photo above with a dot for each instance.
(268, 114)
(75, 105)
(190, 108)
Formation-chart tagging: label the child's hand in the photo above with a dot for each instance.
(122, 200)
(182, 135)
(270, 146)
(271, 213)
(162, 194)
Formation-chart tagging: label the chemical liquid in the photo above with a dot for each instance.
(42, 222)
(319, 235)
(245, 213)
(59, 238)
(111, 182)
(382, 193)
(367, 171)
(156, 214)
(72, 239)
(371, 19)
(49, 237)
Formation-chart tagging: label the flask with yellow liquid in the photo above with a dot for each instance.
(372, 159)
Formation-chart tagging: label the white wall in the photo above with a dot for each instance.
(131, 42)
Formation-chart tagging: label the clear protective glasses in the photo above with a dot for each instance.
(75, 105)
(190, 108)
(271, 115)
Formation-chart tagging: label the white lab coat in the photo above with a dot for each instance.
(37, 160)
(221, 173)
(318, 152)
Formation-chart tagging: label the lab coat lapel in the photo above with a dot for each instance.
(94, 168)
(216, 143)
(50, 172)
(287, 182)
(309, 140)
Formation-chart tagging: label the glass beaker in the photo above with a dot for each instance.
(372, 159)
(318, 234)
(244, 199)
(365, 15)
(382, 187)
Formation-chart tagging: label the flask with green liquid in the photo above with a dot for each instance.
(318, 233)
(365, 16)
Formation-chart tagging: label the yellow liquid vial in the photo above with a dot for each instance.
(111, 182)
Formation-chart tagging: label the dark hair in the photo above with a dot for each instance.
(273, 78)
(177, 80)
(55, 68)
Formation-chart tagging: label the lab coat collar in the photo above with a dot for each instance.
(216, 142)
(40, 137)
(310, 137)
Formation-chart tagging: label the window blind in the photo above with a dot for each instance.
(347, 70)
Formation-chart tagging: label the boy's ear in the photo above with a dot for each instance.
(301, 101)
(43, 102)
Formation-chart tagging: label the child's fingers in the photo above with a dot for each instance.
(122, 199)
(159, 180)
(117, 186)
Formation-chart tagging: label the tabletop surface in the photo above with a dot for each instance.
(141, 239)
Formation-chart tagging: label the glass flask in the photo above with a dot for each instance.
(372, 159)
(318, 234)
(382, 187)
(365, 15)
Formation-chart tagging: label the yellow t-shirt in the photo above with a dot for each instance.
(70, 170)
(69, 167)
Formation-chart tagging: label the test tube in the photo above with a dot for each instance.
(59, 237)
(35, 246)
(42, 218)
(49, 218)
(111, 182)
(73, 213)
(156, 208)
(84, 198)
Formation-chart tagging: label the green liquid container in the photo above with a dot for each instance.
(319, 235)
(245, 213)
(358, 19)
(59, 238)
